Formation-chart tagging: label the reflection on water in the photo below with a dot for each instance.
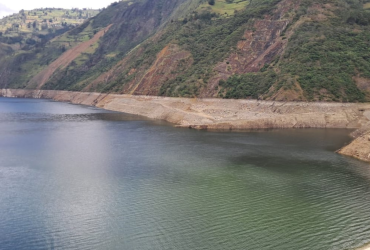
(75, 177)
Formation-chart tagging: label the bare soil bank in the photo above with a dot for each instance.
(221, 114)
(366, 247)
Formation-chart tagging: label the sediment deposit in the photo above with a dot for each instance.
(221, 114)
(366, 247)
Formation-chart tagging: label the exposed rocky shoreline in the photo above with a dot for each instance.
(366, 247)
(221, 114)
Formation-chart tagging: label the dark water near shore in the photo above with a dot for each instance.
(75, 177)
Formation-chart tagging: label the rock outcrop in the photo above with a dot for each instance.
(359, 148)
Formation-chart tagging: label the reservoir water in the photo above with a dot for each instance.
(76, 177)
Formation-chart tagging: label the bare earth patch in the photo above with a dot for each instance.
(64, 60)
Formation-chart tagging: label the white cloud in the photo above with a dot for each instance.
(9, 7)
(5, 11)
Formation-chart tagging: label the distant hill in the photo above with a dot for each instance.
(28, 27)
(305, 50)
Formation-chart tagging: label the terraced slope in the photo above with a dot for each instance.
(29, 27)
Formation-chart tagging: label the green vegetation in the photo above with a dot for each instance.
(224, 7)
(325, 56)
(208, 36)
(329, 63)
(327, 48)
(118, 41)
(29, 27)
(209, 40)
(252, 85)
(30, 48)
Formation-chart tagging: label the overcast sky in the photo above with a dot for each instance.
(8, 7)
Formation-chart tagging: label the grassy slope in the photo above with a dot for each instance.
(26, 58)
(323, 56)
(223, 7)
(208, 36)
(27, 28)
(321, 59)
(140, 20)
(50, 16)
(28, 41)
(328, 48)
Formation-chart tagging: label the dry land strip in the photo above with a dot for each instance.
(221, 114)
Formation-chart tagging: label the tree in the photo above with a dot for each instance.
(15, 26)
(211, 2)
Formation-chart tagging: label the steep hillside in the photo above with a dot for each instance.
(26, 37)
(264, 49)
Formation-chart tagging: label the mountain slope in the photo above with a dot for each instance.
(266, 49)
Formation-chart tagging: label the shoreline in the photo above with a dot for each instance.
(365, 247)
(227, 114)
